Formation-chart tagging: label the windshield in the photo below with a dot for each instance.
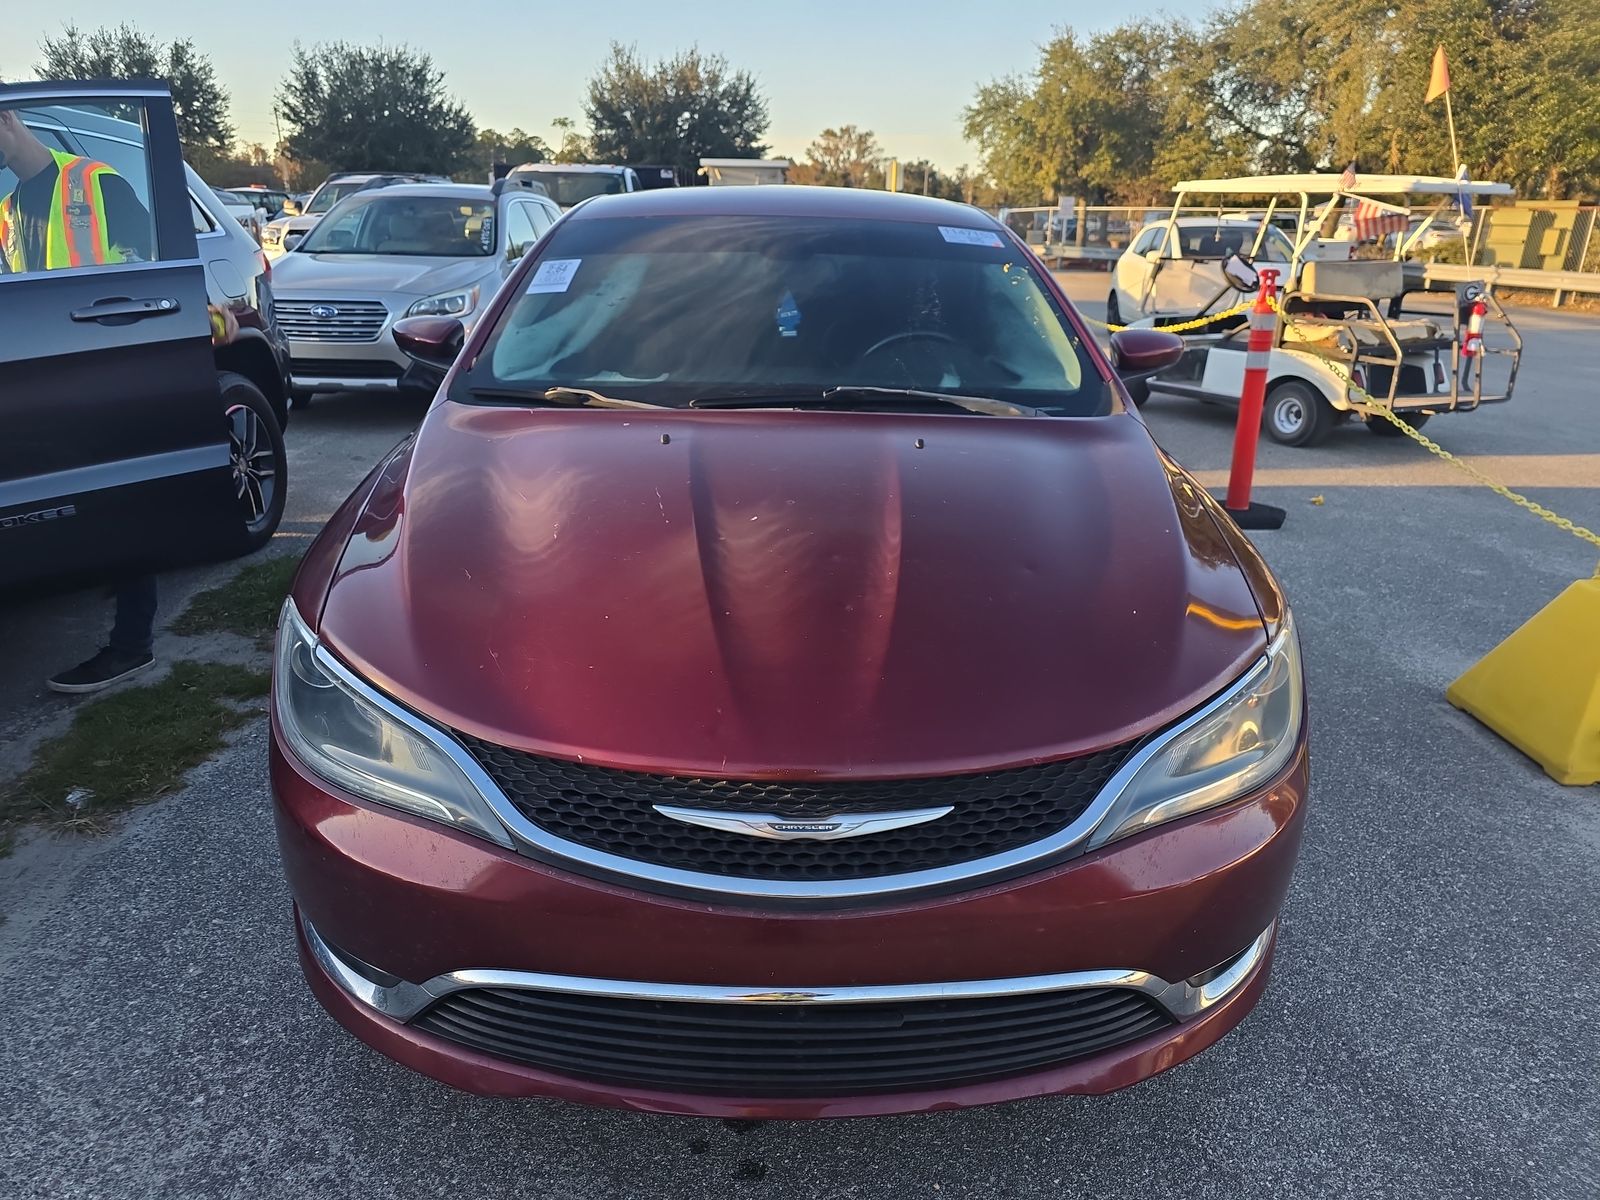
(674, 310)
(567, 188)
(330, 194)
(384, 223)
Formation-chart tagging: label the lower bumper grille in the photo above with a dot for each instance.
(347, 368)
(792, 1050)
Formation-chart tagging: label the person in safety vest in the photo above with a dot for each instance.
(66, 210)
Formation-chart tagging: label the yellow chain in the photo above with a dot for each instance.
(1219, 316)
(1362, 396)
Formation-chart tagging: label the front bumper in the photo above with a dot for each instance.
(348, 367)
(434, 912)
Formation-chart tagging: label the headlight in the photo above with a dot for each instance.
(1238, 744)
(368, 748)
(452, 305)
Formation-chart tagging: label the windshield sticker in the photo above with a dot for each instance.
(970, 237)
(788, 316)
(486, 235)
(553, 275)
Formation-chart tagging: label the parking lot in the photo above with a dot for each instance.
(1428, 1030)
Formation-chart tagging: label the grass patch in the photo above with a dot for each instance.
(247, 604)
(131, 747)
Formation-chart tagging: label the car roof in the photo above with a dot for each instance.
(575, 168)
(785, 200)
(451, 191)
(1328, 184)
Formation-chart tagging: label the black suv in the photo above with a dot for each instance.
(127, 439)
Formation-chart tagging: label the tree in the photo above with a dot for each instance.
(199, 102)
(574, 147)
(373, 108)
(513, 148)
(674, 112)
(842, 157)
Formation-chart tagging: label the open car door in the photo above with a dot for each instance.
(114, 450)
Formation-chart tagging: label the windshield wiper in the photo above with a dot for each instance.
(883, 397)
(566, 397)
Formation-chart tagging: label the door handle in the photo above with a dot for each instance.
(120, 310)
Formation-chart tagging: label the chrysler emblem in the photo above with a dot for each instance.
(817, 829)
(324, 312)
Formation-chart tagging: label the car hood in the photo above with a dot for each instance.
(773, 593)
(299, 274)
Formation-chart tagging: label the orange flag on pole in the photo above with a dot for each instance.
(1439, 83)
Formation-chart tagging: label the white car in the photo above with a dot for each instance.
(392, 252)
(1157, 274)
(569, 183)
(244, 210)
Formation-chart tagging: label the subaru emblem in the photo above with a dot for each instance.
(324, 312)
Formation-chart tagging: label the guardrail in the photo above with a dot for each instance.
(1557, 282)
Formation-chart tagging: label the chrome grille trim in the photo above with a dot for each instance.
(404, 1000)
(356, 320)
(535, 840)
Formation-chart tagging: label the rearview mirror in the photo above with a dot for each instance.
(1241, 274)
(432, 340)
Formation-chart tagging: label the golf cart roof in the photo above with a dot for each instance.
(1327, 183)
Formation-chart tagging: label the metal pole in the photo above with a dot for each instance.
(1450, 118)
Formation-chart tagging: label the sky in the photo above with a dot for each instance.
(903, 70)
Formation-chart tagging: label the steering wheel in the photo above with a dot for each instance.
(908, 335)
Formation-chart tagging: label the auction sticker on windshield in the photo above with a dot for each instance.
(970, 237)
(554, 275)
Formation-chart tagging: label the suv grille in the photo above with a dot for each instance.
(355, 320)
(770, 1049)
(611, 811)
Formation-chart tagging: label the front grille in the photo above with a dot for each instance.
(611, 811)
(348, 368)
(356, 320)
(773, 1049)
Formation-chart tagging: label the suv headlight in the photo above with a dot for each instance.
(452, 304)
(370, 748)
(1238, 743)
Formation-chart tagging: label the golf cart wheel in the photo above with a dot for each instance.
(1113, 309)
(1296, 414)
(1379, 427)
(260, 462)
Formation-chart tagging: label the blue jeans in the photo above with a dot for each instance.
(134, 630)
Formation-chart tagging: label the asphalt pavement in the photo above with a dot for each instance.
(1429, 1030)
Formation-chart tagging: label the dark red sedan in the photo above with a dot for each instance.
(782, 678)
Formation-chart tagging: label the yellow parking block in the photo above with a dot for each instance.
(1540, 688)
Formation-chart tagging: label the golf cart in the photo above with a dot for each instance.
(1347, 342)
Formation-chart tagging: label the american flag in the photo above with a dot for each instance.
(1348, 179)
(1375, 221)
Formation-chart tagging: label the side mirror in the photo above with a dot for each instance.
(1241, 273)
(432, 340)
(1153, 255)
(1144, 351)
(1139, 354)
(291, 240)
(291, 208)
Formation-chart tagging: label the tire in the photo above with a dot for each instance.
(1113, 309)
(299, 398)
(1295, 414)
(260, 462)
(1379, 427)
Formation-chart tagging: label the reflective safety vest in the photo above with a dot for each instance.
(77, 234)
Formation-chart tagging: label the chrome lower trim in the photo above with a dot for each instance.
(404, 1001)
(122, 472)
(533, 837)
(340, 383)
